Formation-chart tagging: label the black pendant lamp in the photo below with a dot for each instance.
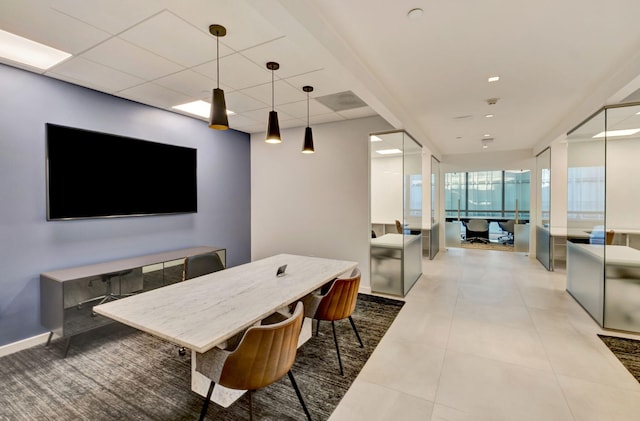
(273, 127)
(308, 135)
(218, 118)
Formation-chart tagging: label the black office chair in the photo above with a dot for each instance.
(507, 227)
(477, 231)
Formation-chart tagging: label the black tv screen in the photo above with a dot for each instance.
(98, 175)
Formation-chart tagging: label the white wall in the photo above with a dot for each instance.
(314, 204)
(558, 216)
(622, 189)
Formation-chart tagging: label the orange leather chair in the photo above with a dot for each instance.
(338, 303)
(263, 356)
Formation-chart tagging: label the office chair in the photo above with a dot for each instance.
(477, 231)
(201, 264)
(508, 227)
(109, 294)
(336, 304)
(263, 356)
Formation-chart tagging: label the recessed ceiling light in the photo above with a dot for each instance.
(614, 133)
(375, 138)
(488, 115)
(493, 79)
(31, 53)
(485, 146)
(388, 151)
(415, 13)
(199, 108)
(487, 135)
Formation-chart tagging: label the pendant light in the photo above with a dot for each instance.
(218, 118)
(273, 127)
(308, 136)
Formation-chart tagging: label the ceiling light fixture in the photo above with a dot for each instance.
(415, 13)
(308, 136)
(218, 116)
(615, 133)
(273, 127)
(487, 135)
(31, 53)
(489, 115)
(493, 79)
(200, 108)
(388, 151)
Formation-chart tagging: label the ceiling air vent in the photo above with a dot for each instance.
(341, 101)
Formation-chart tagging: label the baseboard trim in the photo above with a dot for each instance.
(9, 349)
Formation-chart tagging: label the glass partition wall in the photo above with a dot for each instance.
(543, 234)
(396, 212)
(434, 235)
(603, 226)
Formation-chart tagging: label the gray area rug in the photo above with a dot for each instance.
(627, 351)
(118, 373)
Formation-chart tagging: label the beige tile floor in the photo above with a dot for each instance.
(491, 336)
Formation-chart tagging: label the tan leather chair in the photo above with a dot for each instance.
(201, 264)
(338, 303)
(399, 227)
(263, 356)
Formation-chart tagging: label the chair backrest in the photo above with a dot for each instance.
(201, 264)
(399, 227)
(478, 225)
(265, 354)
(507, 225)
(340, 300)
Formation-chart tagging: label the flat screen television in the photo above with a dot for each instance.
(100, 175)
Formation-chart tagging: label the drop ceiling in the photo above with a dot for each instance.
(557, 61)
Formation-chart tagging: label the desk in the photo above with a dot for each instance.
(205, 311)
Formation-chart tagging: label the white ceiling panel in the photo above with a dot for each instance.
(89, 72)
(240, 103)
(113, 16)
(190, 83)
(262, 115)
(293, 61)
(168, 36)
(325, 118)
(245, 26)
(238, 121)
(299, 109)
(155, 95)
(323, 82)
(357, 112)
(34, 20)
(255, 128)
(283, 93)
(128, 58)
(236, 71)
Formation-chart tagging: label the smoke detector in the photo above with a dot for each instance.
(492, 101)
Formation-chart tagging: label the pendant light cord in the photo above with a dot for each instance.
(307, 109)
(218, 58)
(272, 95)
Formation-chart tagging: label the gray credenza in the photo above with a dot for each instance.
(67, 296)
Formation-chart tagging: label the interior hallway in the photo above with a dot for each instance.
(491, 335)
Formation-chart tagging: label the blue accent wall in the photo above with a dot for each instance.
(29, 244)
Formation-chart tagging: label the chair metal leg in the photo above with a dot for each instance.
(335, 339)
(49, 338)
(250, 393)
(295, 387)
(317, 327)
(206, 401)
(353, 325)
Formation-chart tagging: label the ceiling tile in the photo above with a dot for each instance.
(254, 128)
(190, 83)
(245, 26)
(237, 72)
(240, 103)
(262, 115)
(89, 72)
(112, 16)
(29, 19)
(293, 59)
(323, 82)
(326, 118)
(299, 109)
(128, 58)
(155, 95)
(290, 123)
(168, 36)
(283, 93)
(236, 121)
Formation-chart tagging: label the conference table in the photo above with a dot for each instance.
(203, 312)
